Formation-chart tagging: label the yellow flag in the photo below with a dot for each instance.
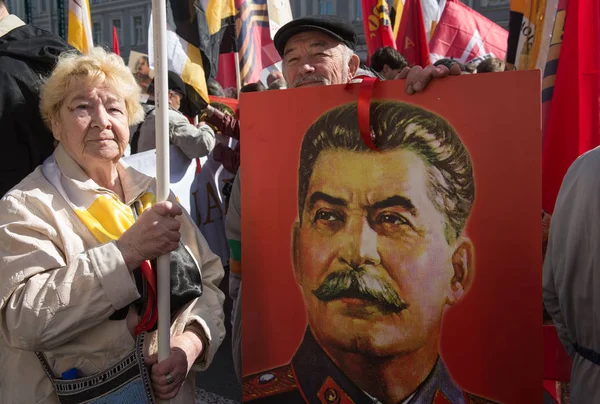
(80, 26)
(399, 7)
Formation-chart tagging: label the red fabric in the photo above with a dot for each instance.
(226, 73)
(150, 314)
(364, 110)
(377, 26)
(573, 123)
(557, 363)
(550, 387)
(230, 102)
(116, 42)
(464, 34)
(412, 37)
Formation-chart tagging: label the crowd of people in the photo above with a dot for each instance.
(80, 230)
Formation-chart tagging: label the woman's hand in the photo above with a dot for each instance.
(185, 348)
(155, 233)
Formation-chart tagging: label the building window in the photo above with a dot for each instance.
(138, 30)
(325, 7)
(97, 32)
(359, 14)
(117, 25)
(43, 6)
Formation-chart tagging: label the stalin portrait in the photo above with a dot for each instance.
(379, 255)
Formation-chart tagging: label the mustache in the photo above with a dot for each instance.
(310, 78)
(358, 283)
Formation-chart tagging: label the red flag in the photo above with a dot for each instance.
(226, 75)
(411, 41)
(574, 121)
(377, 25)
(116, 42)
(464, 34)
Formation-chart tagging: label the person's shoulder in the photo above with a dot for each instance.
(33, 189)
(276, 385)
(30, 32)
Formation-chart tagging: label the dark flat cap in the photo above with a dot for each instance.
(176, 83)
(328, 24)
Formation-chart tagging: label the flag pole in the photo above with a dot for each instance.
(159, 29)
(238, 78)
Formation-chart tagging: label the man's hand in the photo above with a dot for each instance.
(155, 233)
(185, 348)
(418, 77)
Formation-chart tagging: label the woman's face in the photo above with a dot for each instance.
(92, 126)
(142, 67)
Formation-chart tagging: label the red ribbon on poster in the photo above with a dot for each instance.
(364, 110)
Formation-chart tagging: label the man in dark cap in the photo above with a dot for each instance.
(193, 141)
(320, 51)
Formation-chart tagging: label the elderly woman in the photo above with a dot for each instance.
(77, 305)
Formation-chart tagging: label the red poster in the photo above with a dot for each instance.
(408, 273)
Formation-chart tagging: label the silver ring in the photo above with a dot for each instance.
(169, 378)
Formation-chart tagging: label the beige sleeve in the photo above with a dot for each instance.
(207, 310)
(46, 299)
(193, 142)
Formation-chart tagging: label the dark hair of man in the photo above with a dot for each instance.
(449, 62)
(387, 56)
(396, 125)
(214, 88)
(252, 87)
(491, 65)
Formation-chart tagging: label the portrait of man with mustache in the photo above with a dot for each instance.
(379, 254)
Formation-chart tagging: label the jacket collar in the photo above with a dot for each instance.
(9, 23)
(133, 182)
(317, 376)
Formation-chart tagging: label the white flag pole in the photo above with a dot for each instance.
(159, 30)
(238, 78)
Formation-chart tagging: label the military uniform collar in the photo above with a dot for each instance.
(321, 381)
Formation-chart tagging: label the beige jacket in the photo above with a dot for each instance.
(58, 287)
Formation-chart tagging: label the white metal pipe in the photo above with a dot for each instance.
(159, 32)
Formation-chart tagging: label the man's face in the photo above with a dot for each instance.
(313, 58)
(371, 255)
(142, 67)
(388, 73)
(175, 99)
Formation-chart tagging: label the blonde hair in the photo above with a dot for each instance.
(92, 69)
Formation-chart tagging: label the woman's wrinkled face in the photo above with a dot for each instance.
(92, 125)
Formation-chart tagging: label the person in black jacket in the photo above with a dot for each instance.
(27, 56)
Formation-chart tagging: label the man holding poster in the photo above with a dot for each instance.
(379, 253)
